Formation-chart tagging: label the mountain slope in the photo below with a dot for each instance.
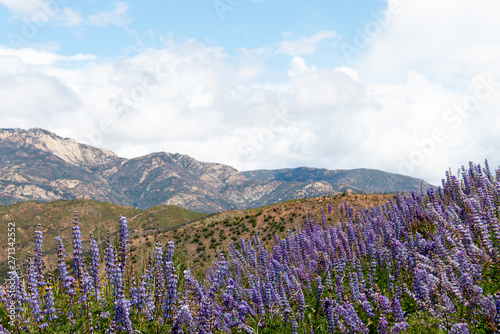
(38, 165)
(358, 180)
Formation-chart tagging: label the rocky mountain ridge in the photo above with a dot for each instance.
(37, 164)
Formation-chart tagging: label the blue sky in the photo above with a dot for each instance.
(112, 29)
(250, 24)
(406, 86)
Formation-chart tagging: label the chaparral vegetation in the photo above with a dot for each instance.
(422, 262)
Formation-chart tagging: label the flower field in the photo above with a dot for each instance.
(419, 263)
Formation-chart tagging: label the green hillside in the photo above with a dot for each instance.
(96, 217)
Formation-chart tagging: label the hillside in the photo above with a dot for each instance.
(199, 241)
(38, 165)
(96, 217)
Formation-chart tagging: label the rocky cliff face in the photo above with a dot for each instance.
(38, 165)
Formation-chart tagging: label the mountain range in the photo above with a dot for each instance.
(39, 165)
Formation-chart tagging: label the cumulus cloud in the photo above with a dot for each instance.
(417, 101)
(445, 40)
(436, 64)
(191, 98)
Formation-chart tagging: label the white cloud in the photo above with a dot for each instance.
(399, 107)
(72, 17)
(43, 11)
(118, 16)
(170, 100)
(305, 45)
(298, 66)
(40, 57)
(25, 7)
(430, 57)
(445, 40)
(292, 47)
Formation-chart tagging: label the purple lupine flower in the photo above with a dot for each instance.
(117, 281)
(33, 284)
(159, 276)
(248, 308)
(121, 315)
(354, 286)
(473, 207)
(123, 241)
(263, 257)
(319, 289)
(109, 258)
(228, 299)
(193, 285)
(332, 318)
(133, 294)
(276, 272)
(67, 281)
(382, 325)
(185, 317)
(3, 330)
(351, 318)
(488, 307)
(339, 288)
(496, 320)
(419, 285)
(204, 316)
(169, 252)
(170, 290)
(37, 254)
(121, 307)
(385, 306)
(328, 279)
(86, 286)
(323, 219)
(220, 274)
(301, 304)
(49, 303)
(257, 298)
(77, 248)
(447, 304)
(398, 327)
(460, 328)
(269, 295)
(142, 299)
(294, 325)
(366, 306)
(112, 328)
(398, 311)
(94, 266)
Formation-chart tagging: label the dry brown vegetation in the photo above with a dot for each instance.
(198, 242)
